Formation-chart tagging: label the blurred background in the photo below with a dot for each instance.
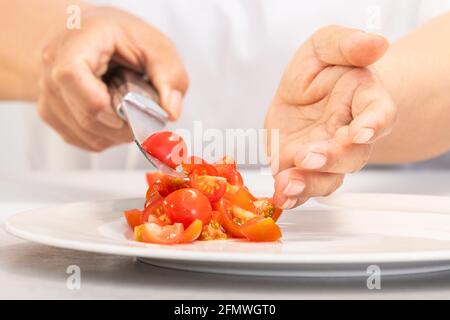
(220, 59)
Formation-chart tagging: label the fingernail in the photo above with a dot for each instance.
(314, 161)
(174, 104)
(289, 204)
(363, 136)
(110, 119)
(294, 188)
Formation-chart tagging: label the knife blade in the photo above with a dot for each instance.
(137, 102)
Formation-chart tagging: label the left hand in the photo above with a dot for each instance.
(330, 108)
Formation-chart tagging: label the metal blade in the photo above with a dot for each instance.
(146, 117)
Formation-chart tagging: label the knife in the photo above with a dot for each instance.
(137, 102)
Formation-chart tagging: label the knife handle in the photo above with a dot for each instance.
(121, 81)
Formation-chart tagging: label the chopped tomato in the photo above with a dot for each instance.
(264, 207)
(261, 230)
(241, 197)
(167, 147)
(154, 219)
(233, 228)
(227, 161)
(231, 174)
(154, 233)
(164, 184)
(193, 232)
(156, 209)
(187, 205)
(213, 230)
(138, 233)
(151, 196)
(198, 166)
(212, 187)
(133, 217)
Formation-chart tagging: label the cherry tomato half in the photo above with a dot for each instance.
(186, 205)
(156, 209)
(133, 217)
(198, 166)
(167, 147)
(193, 232)
(154, 233)
(241, 197)
(212, 187)
(165, 185)
(231, 174)
(261, 230)
(264, 207)
(227, 222)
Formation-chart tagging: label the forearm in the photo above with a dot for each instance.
(416, 71)
(29, 23)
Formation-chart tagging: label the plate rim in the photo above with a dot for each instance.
(224, 257)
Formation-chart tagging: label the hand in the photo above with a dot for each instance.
(329, 108)
(73, 99)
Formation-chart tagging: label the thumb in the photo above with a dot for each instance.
(336, 45)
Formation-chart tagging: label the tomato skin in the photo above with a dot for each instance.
(133, 217)
(241, 198)
(154, 233)
(167, 147)
(156, 209)
(165, 185)
(186, 205)
(231, 174)
(227, 222)
(261, 230)
(198, 166)
(212, 187)
(193, 232)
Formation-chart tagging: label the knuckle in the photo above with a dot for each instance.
(88, 123)
(60, 74)
(47, 55)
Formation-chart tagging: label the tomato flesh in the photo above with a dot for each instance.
(156, 209)
(167, 147)
(264, 207)
(212, 187)
(154, 233)
(133, 217)
(165, 185)
(261, 230)
(186, 205)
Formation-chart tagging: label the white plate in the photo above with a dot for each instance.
(318, 240)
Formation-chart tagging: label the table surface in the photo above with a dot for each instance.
(33, 271)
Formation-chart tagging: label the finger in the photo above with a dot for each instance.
(334, 47)
(333, 156)
(56, 109)
(46, 111)
(88, 101)
(294, 186)
(166, 72)
(374, 113)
